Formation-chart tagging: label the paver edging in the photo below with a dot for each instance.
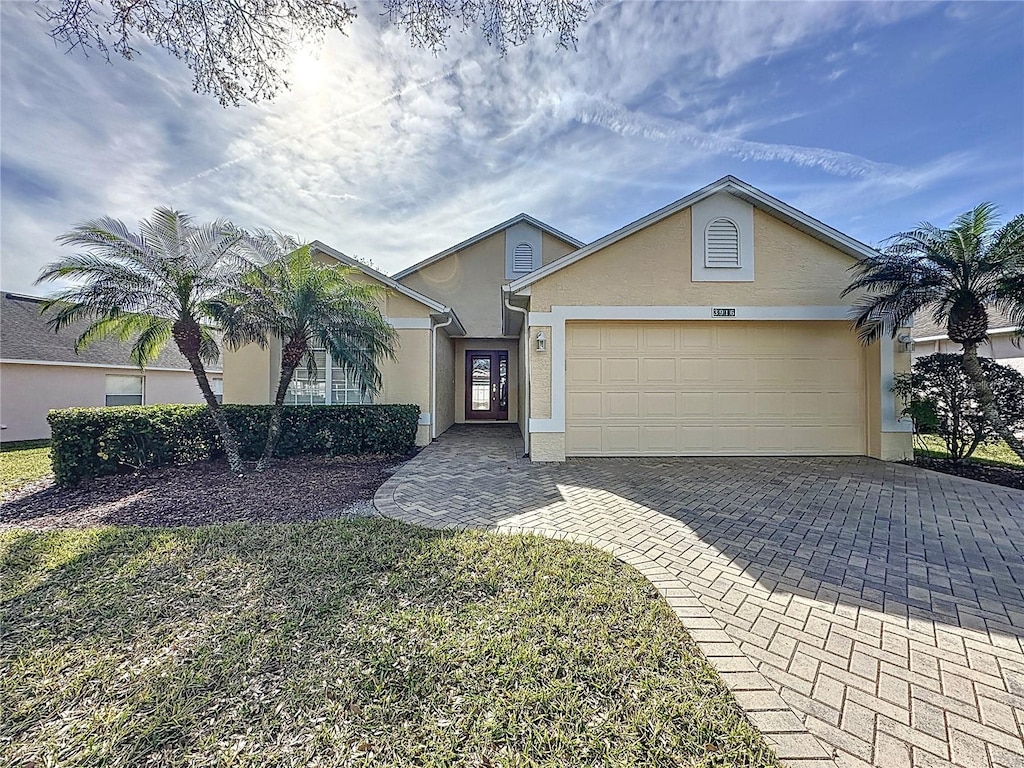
(782, 728)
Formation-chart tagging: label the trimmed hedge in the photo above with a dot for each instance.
(89, 442)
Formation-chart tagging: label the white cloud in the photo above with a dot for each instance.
(394, 153)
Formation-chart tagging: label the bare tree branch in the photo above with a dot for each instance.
(237, 49)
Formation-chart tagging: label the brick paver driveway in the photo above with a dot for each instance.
(884, 603)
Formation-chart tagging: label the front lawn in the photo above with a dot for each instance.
(23, 463)
(998, 453)
(358, 642)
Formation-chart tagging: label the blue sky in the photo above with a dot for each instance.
(869, 116)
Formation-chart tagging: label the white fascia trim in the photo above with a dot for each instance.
(561, 314)
(483, 236)
(753, 195)
(409, 323)
(135, 368)
(945, 337)
(389, 282)
(558, 316)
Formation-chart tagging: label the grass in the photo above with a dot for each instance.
(996, 454)
(23, 462)
(347, 643)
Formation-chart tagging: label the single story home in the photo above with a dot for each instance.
(930, 338)
(713, 326)
(40, 371)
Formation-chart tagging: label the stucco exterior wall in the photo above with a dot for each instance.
(29, 392)
(445, 356)
(251, 373)
(470, 282)
(407, 379)
(523, 388)
(540, 375)
(547, 446)
(554, 248)
(461, 347)
(652, 267)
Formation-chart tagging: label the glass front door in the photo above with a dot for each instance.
(487, 385)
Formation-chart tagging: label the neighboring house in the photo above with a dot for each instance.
(930, 338)
(40, 371)
(713, 326)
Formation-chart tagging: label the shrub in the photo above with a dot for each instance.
(941, 401)
(89, 442)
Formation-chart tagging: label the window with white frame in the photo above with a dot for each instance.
(123, 390)
(217, 385)
(331, 384)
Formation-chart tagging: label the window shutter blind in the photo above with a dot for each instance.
(522, 258)
(722, 244)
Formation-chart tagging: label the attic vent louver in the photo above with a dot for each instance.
(722, 244)
(522, 258)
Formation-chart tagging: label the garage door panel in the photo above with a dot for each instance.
(584, 441)
(584, 405)
(621, 370)
(583, 371)
(658, 405)
(622, 337)
(734, 388)
(621, 405)
(771, 405)
(659, 337)
(732, 369)
(658, 439)
(693, 370)
(658, 370)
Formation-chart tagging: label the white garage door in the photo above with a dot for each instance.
(705, 388)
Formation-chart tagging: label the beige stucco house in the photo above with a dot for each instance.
(714, 326)
(40, 371)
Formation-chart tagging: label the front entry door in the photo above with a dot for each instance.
(487, 385)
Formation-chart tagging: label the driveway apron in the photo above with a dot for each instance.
(884, 604)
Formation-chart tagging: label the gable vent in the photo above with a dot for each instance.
(722, 244)
(522, 258)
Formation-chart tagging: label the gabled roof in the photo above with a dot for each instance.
(522, 217)
(437, 307)
(732, 185)
(24, 336)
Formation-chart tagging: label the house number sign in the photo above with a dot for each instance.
(723, 312)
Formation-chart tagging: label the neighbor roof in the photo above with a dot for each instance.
(423, 299)
(522, 217)
(732, 185)
(926, 329)
(24, 336)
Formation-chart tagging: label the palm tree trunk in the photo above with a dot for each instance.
(187, 339)
(291, 356)
(987, 400)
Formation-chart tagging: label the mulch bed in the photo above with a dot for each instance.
(986, 473)
(294, 489)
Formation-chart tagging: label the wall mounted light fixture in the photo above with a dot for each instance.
(906, 342)
(542, 342)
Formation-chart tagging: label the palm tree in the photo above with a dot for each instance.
(957, 274)
(307, 305)
(150, 287)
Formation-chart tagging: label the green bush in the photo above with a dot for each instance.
(89, 442)
(941, 401)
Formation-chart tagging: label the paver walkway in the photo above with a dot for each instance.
(884, 603)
